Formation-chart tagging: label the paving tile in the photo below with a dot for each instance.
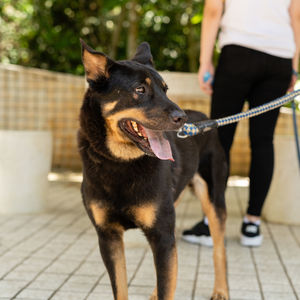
(244, 295)
(52, 277)
(100, 296)
(141, 290)
(34, 294)
(44, 285)
(278, 277)
(247, 282)
(202, 294)
(139, 297)
(21, 275)
(104, 289)
(62, 266)
(9, 288)
(277, 288)
(91, 268)
(279, 296)
(62, 295)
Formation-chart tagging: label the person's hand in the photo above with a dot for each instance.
(293, 82)
(206, 87)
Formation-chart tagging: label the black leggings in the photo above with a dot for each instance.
(246, 74)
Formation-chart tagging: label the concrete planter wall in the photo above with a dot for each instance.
(25, 161)
(283, 201)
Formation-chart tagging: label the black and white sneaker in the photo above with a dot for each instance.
(250, 234)
(199, 234)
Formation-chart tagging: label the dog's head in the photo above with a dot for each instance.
(130, 96)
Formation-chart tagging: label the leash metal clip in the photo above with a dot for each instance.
(181, 134)
(191, 129)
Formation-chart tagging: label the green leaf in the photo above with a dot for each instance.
(196, 19)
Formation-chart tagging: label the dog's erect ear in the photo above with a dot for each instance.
(143, 54)
(95, 63)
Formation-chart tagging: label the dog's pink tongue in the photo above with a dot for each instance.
(159, 145)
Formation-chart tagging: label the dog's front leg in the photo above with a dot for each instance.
(112, 252)
(162, 242)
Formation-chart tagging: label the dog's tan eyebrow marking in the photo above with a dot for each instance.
(99, 213)
(145, 215)
(148, 81)
(109, 107)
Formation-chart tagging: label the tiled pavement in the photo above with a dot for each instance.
(55, 255)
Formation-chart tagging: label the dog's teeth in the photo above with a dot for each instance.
(134, 125)
(140, 134)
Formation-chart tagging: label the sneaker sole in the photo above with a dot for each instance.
(199, 240)
(251, 241)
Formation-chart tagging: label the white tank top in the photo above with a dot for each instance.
(263, 25)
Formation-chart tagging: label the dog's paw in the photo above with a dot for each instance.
(218, 296)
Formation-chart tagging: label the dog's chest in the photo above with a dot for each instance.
(129, 216)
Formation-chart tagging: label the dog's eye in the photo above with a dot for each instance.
(140, 89)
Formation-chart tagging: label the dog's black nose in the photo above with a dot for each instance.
(178, 117)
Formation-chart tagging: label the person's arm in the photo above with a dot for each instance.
(213, 10)
(295, 20)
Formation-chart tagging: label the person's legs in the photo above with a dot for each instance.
(261, 131)
(232, 84)
(273, 84)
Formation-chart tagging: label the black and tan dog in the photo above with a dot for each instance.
(134, 167)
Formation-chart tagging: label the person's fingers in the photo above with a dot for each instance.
(205, 85)
(206, 88)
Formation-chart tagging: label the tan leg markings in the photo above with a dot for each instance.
(172, 275)
(145, 215)
(115, 247)
(218, 233)
(99, 213)
(178, 200)
(120, 269)
(154, 295)
(172, 278)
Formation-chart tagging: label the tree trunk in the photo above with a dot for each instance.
(192, 51)
(191, 42)
(116, 34)
(133, 28)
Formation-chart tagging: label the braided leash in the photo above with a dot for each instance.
(191, 129)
